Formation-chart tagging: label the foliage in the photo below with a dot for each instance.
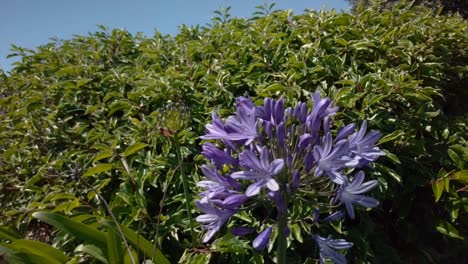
(441, 6)
(107, 109)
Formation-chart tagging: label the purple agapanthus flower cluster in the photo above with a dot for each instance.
(272, 152)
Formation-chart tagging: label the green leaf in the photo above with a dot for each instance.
(92, 251)
(461, 176)
(67, 206)
(103, 155)
(456, 159)
(114, 247)
(18, 257)
(81, 231)
(230, 244)
(390, 137)
(128, 259)
(196, 258)
(134, 148)
(43, 250)
(8, 234)
(98, 169)
(448, 229)
(388, 171)
(140, 243)
(438, 188)
(296, 231)
(392, 156)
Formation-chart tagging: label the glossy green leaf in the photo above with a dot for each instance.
(98, 169)
(8, 234)
(103, 155)
(114, 247)
(144, 245)
(134, 148)
(296, 232)
(141, 244)
(448, 229)
(390, 137)
(438, 188)
(82, 231)
(17, 257)
(45, 251)
(461, 176)
(133, 259)
(92, 251)
(456, 158)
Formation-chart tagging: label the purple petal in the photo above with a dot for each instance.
(276, 166)
(235, 200)
(305, 140)
(261, 241)
(254, 188)
(242, 231)
(344, 132)
(308, 161)
(338, 215)
(280, 135)
(296, 177)
(272, 185)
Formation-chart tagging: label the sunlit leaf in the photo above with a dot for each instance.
(98, 169)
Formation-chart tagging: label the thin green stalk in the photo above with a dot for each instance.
(281, 239)
(161, 206)
(117, 225)
(188, 197)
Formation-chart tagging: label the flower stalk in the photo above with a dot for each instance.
(187, 195)
(282, 237)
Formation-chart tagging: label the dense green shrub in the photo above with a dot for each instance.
(441, 6)
(108, 111)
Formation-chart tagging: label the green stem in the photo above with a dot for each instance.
(188, 197)
(281, 239)
(117, 225)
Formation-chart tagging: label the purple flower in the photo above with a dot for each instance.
(244, 102)
(272, 111)
(217, 180)
(296, 178)
(243, 126)
(300, 112)
(328, 249)
(242, 231)
(233, 201)
(344, 132)
(213, 219)
(349, 194)
(261, 241)
(218, 156)
(338, 215)
(331, 159)
(304, 141)
(321, 110)
(281, 150)
(261, 170)
(364, 145)
(216, 130)
(280, 135)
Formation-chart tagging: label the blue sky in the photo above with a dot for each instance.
(30, 23)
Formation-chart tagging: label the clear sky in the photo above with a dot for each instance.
(30, 23)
